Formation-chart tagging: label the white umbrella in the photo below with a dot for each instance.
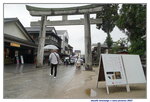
(53, 47)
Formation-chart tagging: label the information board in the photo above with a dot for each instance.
(133, 69)
(119, 69)
(113, 69)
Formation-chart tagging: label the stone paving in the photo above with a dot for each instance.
(28, 82)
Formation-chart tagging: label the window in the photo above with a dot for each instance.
(66, 40)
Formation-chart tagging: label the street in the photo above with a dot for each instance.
(35, 83)
(28, 82)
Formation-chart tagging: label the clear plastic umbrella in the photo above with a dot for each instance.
(53, 47)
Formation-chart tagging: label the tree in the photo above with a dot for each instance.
(132, 21)
(109, 16)
(109, 41)
(120, 45)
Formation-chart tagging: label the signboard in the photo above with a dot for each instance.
(133, 69)
(22, 61)
(15, 44)
(119, 69)
(113, 69)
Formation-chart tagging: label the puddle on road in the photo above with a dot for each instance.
(91, 92)
(90, 78)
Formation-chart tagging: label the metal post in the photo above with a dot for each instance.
(41, 43)
(88, 52)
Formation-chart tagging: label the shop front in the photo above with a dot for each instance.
(19, 47)
(18, 51)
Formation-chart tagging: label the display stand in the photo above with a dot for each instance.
(118, 69)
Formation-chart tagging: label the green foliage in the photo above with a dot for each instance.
(138, 47)
(120, 45)
(109, 41)
(115, 48)
(109, 16)
(132, 21)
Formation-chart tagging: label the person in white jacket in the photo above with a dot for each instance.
(78, 63)
(54, 60)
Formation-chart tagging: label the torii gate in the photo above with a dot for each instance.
(44, 12)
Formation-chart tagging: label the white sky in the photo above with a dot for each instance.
(76, 33)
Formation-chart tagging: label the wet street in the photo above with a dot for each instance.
(28, 82)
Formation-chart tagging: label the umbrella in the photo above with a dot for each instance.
(53, 47)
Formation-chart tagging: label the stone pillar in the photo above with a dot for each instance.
(41, 43)
(88, 52)
(98, 52)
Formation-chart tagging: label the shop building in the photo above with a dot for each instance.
(51, 38)
(19, 47)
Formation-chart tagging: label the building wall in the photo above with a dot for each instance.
(64, 44)
(12, 29)
(17, 43)
(52, 40)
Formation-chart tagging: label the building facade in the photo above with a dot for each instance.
(63, 34)
(77, 53)
(19, 47)
(70, 50)
(51, 38)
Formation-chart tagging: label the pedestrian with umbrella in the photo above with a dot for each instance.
(53, 58)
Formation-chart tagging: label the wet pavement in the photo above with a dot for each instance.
(19, 68)
(28, 82)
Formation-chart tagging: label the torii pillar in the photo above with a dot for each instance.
(87, 39)
(40, 52)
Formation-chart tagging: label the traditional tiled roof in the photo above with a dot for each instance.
(6, 20)
(36, 30)
(10, 38)
(61, 32)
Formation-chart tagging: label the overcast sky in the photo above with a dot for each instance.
(76, 33)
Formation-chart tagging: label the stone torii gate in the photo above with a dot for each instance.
(85, 10)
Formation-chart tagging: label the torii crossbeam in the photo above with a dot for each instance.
(66, 22)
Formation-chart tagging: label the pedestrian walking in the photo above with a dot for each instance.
(78, 63)
(54, 61)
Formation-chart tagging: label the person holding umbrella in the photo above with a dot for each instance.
(54, 60)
